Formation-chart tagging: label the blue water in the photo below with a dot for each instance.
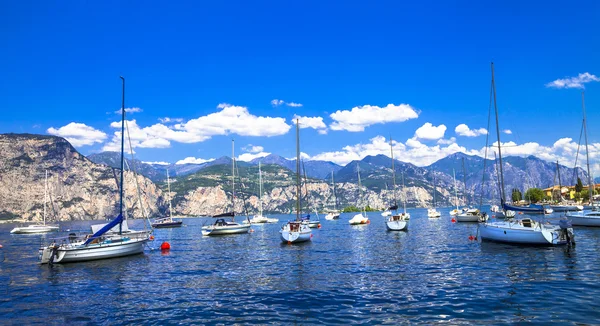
(346, 275)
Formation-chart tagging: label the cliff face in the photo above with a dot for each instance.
(77, 188)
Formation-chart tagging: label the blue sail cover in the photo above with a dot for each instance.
(103, 230)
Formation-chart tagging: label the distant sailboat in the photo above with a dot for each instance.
(298, 230)
(360, 218)
(563, 205)
(396, 221)
(37, 228)
(221, 226)
(333, 214)
(470, 214)
(526, 230)
(109, 240)
(167, 222)
(313, 223)
(433, 212)
(260, 218)
(455, 211)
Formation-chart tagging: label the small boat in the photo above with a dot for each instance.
(37, 228)
(526, 230)
(566, 208)
(333, 214)
(433, 212)
(360, 218)
(396, 222)
(296, 231)
(260, 218)
(106, 240)
(469, 214)
(167, 222)
(221, 226)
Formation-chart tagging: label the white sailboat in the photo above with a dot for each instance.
(455, 211)
(360, 218)
(260, 218)
(396, 221)
(312, 223)
(525, 230)
(106, 241)
(333, 214)
(37, 228)
(469, 214)
(296, 231)
(433, 212)
(586, 217)
(222, 226)
(168, 221)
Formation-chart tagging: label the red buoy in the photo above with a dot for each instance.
(453, 220)
(151, 237)
(368, 221)
(165, 246)
(319, 226)
(471, 238)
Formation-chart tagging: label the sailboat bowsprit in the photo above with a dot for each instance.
(110, 240)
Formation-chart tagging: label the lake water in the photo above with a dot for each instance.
(346, 275)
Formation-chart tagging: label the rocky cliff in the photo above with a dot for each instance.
(77, 188)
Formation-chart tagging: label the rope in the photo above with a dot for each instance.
(137, 185)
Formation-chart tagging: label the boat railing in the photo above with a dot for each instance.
(79, 239)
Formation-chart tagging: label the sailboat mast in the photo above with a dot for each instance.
(559, 181)
(233, 177)
(393, 171)
(434, 188)
(403, 194)
(455, 190)
(169, 195)
(298, 189)
(503, 197)
(45, 195)
(587, 153)
(359, 187)
(334, 197)
(464, 180)
(260, 190)
(122, 152)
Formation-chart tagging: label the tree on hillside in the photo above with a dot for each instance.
(516, 195)
(534, 195)
(579, 185)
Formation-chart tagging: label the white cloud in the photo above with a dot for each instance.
(167, 120)
(294, 105)
(277, 102)
(129, 110)
(464, 130)
(253, 149)
(507, 131)
(78, 134)
(363, 116)
(247, 157)
(443, 141)
(574, 82)
(157, 163)
(229, 120)
(311, 122)
(430, 132)
(193, 160)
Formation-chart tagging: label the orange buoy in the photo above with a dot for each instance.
(368, 221)
(251, 230)
(165, 246)
(520, 213)
(151, 237)
(319, 226)
(0, 246)
(453, 220)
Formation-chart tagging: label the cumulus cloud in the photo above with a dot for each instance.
(129, 110)
(193, 160)
(277, 102)
(253, 149)
(359, 117)
(156, 163)
(573, 82)
(464, 130)
(443, 141)
(294, 105)
(167, 120)
(78, 134)
(507, 131)
(230, 119)
(311, 122)
(430, 132)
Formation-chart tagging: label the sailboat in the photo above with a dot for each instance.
(167, 222)
(396, 222)
(587, 217)
(296, 231)
(260, 218)
(335, 213)
(37, 228)
(107, 240)
(433, 212)
(313, 223)
(360, 218)
(525, 230)
(221, 226)
(470, 214)
(455, 211)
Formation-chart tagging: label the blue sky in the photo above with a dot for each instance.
(61, 63)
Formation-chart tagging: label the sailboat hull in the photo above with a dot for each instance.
(585, 219)
(104, 250)
(513, 232)
(332, 216)
(313, 224)
(234, 228)
(359, 219)
(164, 225)
(34, 229)
(396, 225)
(467, 218)
(295, 232)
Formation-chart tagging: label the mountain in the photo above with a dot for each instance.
(78, 188)
(153, 172)
(314, 169)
